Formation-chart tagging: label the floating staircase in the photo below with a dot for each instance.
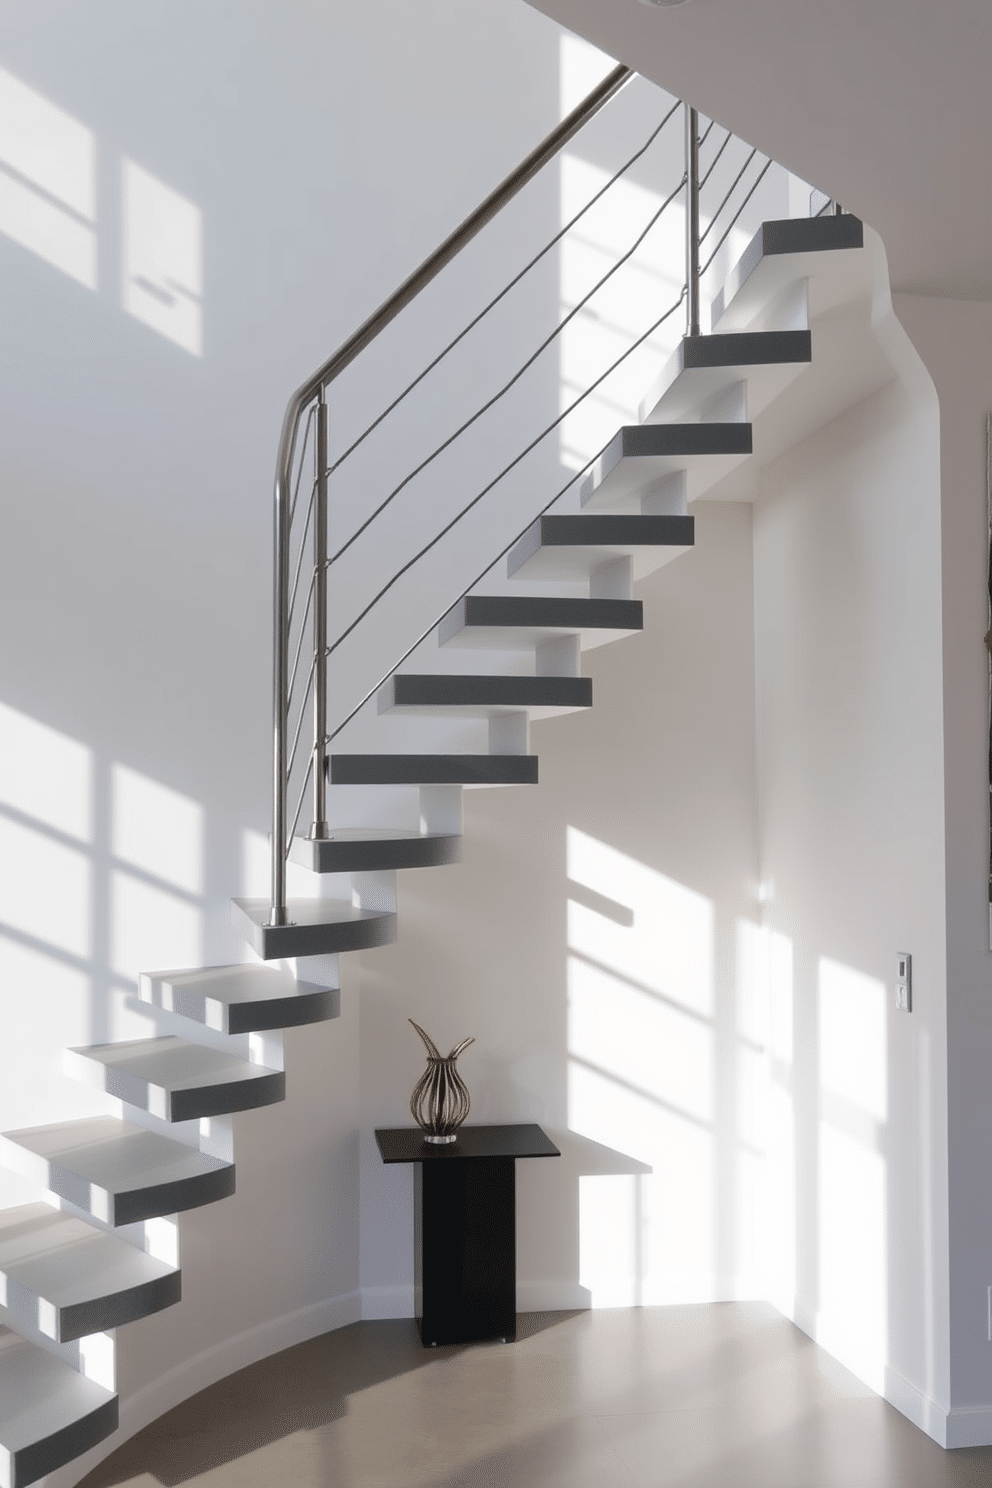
(64, 1272)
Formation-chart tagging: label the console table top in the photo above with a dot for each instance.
(399, 1144)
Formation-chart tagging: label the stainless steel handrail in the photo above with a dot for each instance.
(319, 381)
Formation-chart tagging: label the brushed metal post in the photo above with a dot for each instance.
(692, 221)
(280, 681)
(319, 827)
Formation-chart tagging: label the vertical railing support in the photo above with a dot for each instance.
(319, 827)
(280, 685)
(692, 221)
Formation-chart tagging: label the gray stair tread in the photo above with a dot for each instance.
(176, 1079)
(640, 455)
(49, 1414)
(482, 696)
(703, 368)
(369, 849)
(803, 241)
(117, 1172)
(239, 999)
(569, 547)
(318, 927)
(509, 622)
(433, 769)
(67, 1279)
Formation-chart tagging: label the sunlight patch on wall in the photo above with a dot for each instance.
(751, 1125)
(619, 312)
(45, 774)
(852, 1318)
(640, 1074)
(47, 181)
(159, 832)
(853, 1064)
(668, 948)
(157, 829)
(639, 1040)
(151, 928)
(781, 1148)
(163, 258)
(45, 888)
(580, 68)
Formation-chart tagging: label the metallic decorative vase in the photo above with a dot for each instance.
(440, 1101)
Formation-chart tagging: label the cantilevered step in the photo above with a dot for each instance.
(703, 370)
(116, 1172)
(510, 622)
(483, 696)
(63, 1278)
(49, 1414)
(176, 1080)
(369, 849)
(640, 455)
(567, 547)
(757, 277)
(316, 927)
(239, 999)
(433, 769)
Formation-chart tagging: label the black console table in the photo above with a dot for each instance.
(465, 1240)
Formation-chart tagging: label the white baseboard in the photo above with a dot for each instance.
(552, 1296)
(969, 1426)
(919, 1408)
(206, 1368)
(386, 1302)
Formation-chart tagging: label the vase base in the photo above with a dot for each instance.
(440, 1141)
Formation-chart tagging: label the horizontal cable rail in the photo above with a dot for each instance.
(304, 434)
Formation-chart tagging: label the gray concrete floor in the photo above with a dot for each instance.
(729, 1394)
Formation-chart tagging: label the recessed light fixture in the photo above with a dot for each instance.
(664, 2)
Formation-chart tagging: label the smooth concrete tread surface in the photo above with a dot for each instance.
(239, 999)
(756, 277)
(705, 369)
(639, 456)
(64, 1278)
(482, 696)
(116, 1172)
(370, 849)
(433, 769)
(49, 1414)
(569, 547)
(510, 622)
(317, 927)
(175, 1079)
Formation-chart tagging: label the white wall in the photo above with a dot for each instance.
(597, 940)
(850, 784)
(954, 338)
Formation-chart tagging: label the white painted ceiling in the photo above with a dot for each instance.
(885, 105)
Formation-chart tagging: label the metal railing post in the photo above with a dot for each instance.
(280, 680)
(692, 220)
(319, 827)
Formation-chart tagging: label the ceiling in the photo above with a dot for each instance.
(884, 104)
